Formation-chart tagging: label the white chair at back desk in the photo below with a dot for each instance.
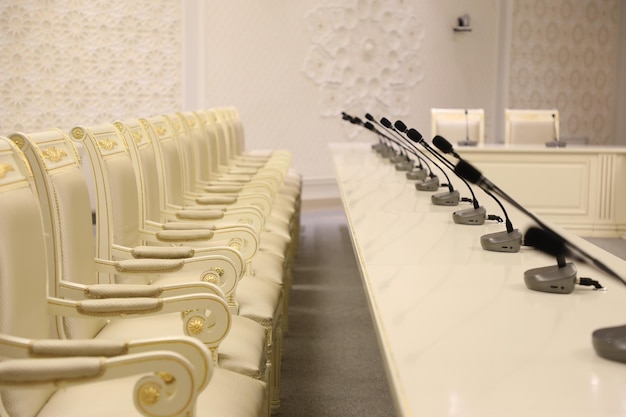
(41, 375)
(527, 127)
(459, 125)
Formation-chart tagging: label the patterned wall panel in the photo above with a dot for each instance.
(563, 55)
(364, 56)
(64, 62)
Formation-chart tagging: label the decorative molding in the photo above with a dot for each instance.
(364, 57)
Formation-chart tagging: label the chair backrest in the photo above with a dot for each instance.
(23, 269)
(204, 159)
(149, 177)
(117, 194)
(458, 125)
(66, 207)
(168, 157)
(523, 126)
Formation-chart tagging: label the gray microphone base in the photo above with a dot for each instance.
(554, 279)
(502, 241)
(405, 165)
(417, 174)
(556, 144)
(467, 143)
(428, 184)
(449, 198)
(610, 343)
(471, 216)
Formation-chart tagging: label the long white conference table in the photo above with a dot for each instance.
(460, 333)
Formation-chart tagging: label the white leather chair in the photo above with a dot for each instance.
(254, 298)
(525, 127)
(263, 268)
(459, 125)
(74, 277)
(41, 375)
(275, 236)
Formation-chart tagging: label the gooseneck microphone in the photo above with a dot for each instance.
(408, 164)
(449, 198)
(467, 141)
(505, 241)
(555, 143)
(470, 173)
(431, 181)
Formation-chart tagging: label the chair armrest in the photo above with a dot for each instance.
(205, 316)
(162, 252)
(208, 199)
(165, 384)
(182, 236)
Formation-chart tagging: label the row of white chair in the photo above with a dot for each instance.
(178, 305)
(522, 126)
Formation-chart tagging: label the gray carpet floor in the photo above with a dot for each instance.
(332, 364)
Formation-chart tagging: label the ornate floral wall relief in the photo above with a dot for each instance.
(364, 57)
(87, 61)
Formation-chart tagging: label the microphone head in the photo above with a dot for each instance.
(357, 121)
(385, 122)
(545, 241)
(414, 135)
(369, 117)
(399, 124)
(368, 125)
(442, 144)
(467, 171)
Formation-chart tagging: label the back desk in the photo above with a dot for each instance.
(460, 333)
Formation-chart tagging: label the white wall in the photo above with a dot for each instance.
(292, 67)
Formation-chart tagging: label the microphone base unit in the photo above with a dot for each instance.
(502, 241)
(405, 165)
(556, 144)
(450, 198)
(552, 279)
(386, 152)
(467, 143)
(428, 184)
(471, 216)
(397, 158)
(417, 174)
(610, 343)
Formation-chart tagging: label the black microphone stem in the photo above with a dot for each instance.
(450, 165)
(419, 158)
(391, 128)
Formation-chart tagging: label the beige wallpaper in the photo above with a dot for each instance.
(564, 55)
(64, 62)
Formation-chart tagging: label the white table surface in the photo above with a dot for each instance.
(460, 333)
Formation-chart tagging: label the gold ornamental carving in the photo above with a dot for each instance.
(161, 130)
(150, 394)
(107, 144)
(195, 326)
(137, 136)
(166, 377)
(18, 140)
(54, 154)
(210, 278)
(78, 133)
(5, 168)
